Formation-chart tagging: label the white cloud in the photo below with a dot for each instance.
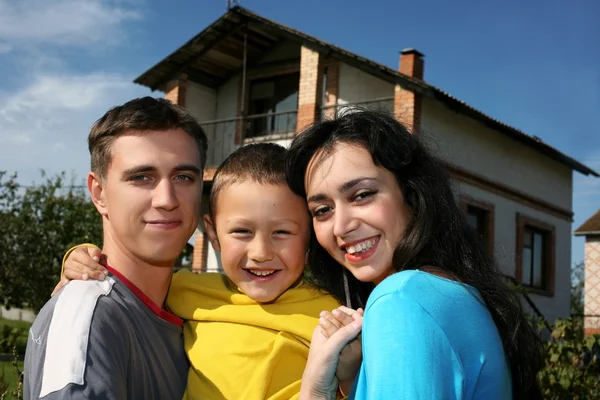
(45, 125)
(63, 22)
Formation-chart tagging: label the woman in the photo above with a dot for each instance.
(440, 321)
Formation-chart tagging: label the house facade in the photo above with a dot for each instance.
(249, 79)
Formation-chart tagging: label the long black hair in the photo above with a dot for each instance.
(438, 235)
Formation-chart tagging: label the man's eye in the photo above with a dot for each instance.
(184, 178)
(139, 178)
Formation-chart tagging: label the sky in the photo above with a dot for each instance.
(534, 65)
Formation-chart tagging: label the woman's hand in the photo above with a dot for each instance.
(351, 355)
(319, 380)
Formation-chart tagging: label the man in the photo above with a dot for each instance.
(113, 339)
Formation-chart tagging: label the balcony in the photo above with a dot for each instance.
(225, 135)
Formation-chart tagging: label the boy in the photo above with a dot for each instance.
(247, 334)
(113, 339)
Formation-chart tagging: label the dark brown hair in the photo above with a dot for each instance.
(142, 114)
(438, 235)
(263, 163)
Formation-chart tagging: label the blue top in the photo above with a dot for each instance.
(426, 337)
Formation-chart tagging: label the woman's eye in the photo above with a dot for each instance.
(363, 195)
(320, 211)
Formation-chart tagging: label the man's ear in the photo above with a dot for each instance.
(212, 232)
(96, 189)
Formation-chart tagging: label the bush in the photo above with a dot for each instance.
(572, 369)
(11, 338)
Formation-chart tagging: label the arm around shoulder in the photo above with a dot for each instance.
(406, 354)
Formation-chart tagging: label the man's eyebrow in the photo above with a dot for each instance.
(344, 188)
(138, 170)
(188, 167)
(149, 168)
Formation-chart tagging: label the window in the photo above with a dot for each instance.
(277, 95)
(535, 255)
(480, 217)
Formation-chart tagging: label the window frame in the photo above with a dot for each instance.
(489, 210)
(549, 254)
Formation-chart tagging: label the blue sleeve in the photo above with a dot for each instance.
(406, 354)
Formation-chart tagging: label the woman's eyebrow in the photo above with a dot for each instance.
(343, 188)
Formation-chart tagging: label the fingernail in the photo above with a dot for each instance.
(336, 312)
(84, 277)
(322, 313)
(355, 325)
(102, 276)
(95, 258)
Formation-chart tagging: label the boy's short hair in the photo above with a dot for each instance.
(263, 163)
(141, 114)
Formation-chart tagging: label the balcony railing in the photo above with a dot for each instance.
(253, 126)
(380, 104)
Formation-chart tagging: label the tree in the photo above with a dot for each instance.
(577, 288)
(37, 225)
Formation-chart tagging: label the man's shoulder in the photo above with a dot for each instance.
(60, 335)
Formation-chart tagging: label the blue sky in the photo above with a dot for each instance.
(534, 65)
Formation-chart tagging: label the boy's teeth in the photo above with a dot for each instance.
(361, 247)
(261, 273)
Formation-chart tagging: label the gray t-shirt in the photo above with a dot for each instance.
(104, 340)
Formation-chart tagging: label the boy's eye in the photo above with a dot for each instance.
(242, 231)
(282, 232)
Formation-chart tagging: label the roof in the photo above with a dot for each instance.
(590, 227)
(212, 57)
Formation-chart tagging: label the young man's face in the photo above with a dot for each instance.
(150, 197)
(262, 233)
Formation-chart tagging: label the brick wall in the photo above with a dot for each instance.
(176, 90)
(407, 104)
(592, 284)
(310, 88)
(200, 250)
(331, 88)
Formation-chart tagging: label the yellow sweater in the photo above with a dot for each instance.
(241, 349)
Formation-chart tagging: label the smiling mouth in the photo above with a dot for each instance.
(262, 274)
(361, 247)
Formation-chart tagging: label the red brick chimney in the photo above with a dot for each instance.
(407, 104)
(411, 63)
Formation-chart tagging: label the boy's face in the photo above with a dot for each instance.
(262, 233)
(151, 194)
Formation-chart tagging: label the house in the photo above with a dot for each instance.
(590, 229)
(249, 79)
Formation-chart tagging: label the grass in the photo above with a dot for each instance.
(8, 377)
(8, 372)
(15, 324)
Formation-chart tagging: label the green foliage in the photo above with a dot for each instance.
(577, 288)
(572, 369)
(38, 225)
(11, 379)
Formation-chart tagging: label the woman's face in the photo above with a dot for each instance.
(358, 209)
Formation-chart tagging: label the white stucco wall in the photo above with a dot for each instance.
(484, 151)
(505, 242)
(356, 86)
(201, 101)
(223, 133)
